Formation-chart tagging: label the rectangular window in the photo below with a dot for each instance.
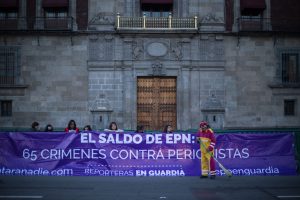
(289, 107)
(252, 7)
(57, 19)
(156, 10)
(55, 3)
(56, 12)
(9, 65)
(290, 68)
(6, 108)
(62, 13)
(9, 8)
(251, 23)
(10, 13)
(8, 19)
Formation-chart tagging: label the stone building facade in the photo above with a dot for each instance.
(225, 61)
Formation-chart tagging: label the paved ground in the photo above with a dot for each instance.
(144, 188)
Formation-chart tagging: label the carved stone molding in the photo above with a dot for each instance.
(176, 51)
(157, 69)
(93, 38)
(157, 49)
(212, 18)
(108, 37)
(212, 23)
(101, 47)
(100, 103)
(138, 50)
(212, 104)
(103, 19)
(211, 49)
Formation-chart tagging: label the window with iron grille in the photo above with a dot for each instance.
(290, 67)
(289, 107)
(156, 8)
(9, 65)
(56, 12)
(6, 108)
(8, 13)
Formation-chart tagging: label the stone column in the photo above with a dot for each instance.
(128, 8)
(267, 16)
(39, 11)
(195, 111)
(184, 8)
(129, 98)
(39, 23)
(22, 14)
(72, 13)
(22, 8)
(236, 15)
(185, 101)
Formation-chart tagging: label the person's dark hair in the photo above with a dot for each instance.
(166, 128)
(89, 128)
(34, 124)
(69, 124)
(47, 128)
(111, 124)
(139, 129)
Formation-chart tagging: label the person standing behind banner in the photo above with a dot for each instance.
(168, 129)
(35, 127)
(139, 129)
(113, 128)
(49, 128)
(87, 128)
(207, 142)
(72, 127)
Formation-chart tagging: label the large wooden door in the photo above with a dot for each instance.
(156, 102)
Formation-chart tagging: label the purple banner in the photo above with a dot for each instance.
(132, 154)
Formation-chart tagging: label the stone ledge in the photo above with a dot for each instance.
(101, 110)
(285, 89)
(285, 86)
(213, 110)
(13, 90)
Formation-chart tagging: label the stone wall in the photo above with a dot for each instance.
(116, 62)
(251, 65)
(224, 78)
(54, 70)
